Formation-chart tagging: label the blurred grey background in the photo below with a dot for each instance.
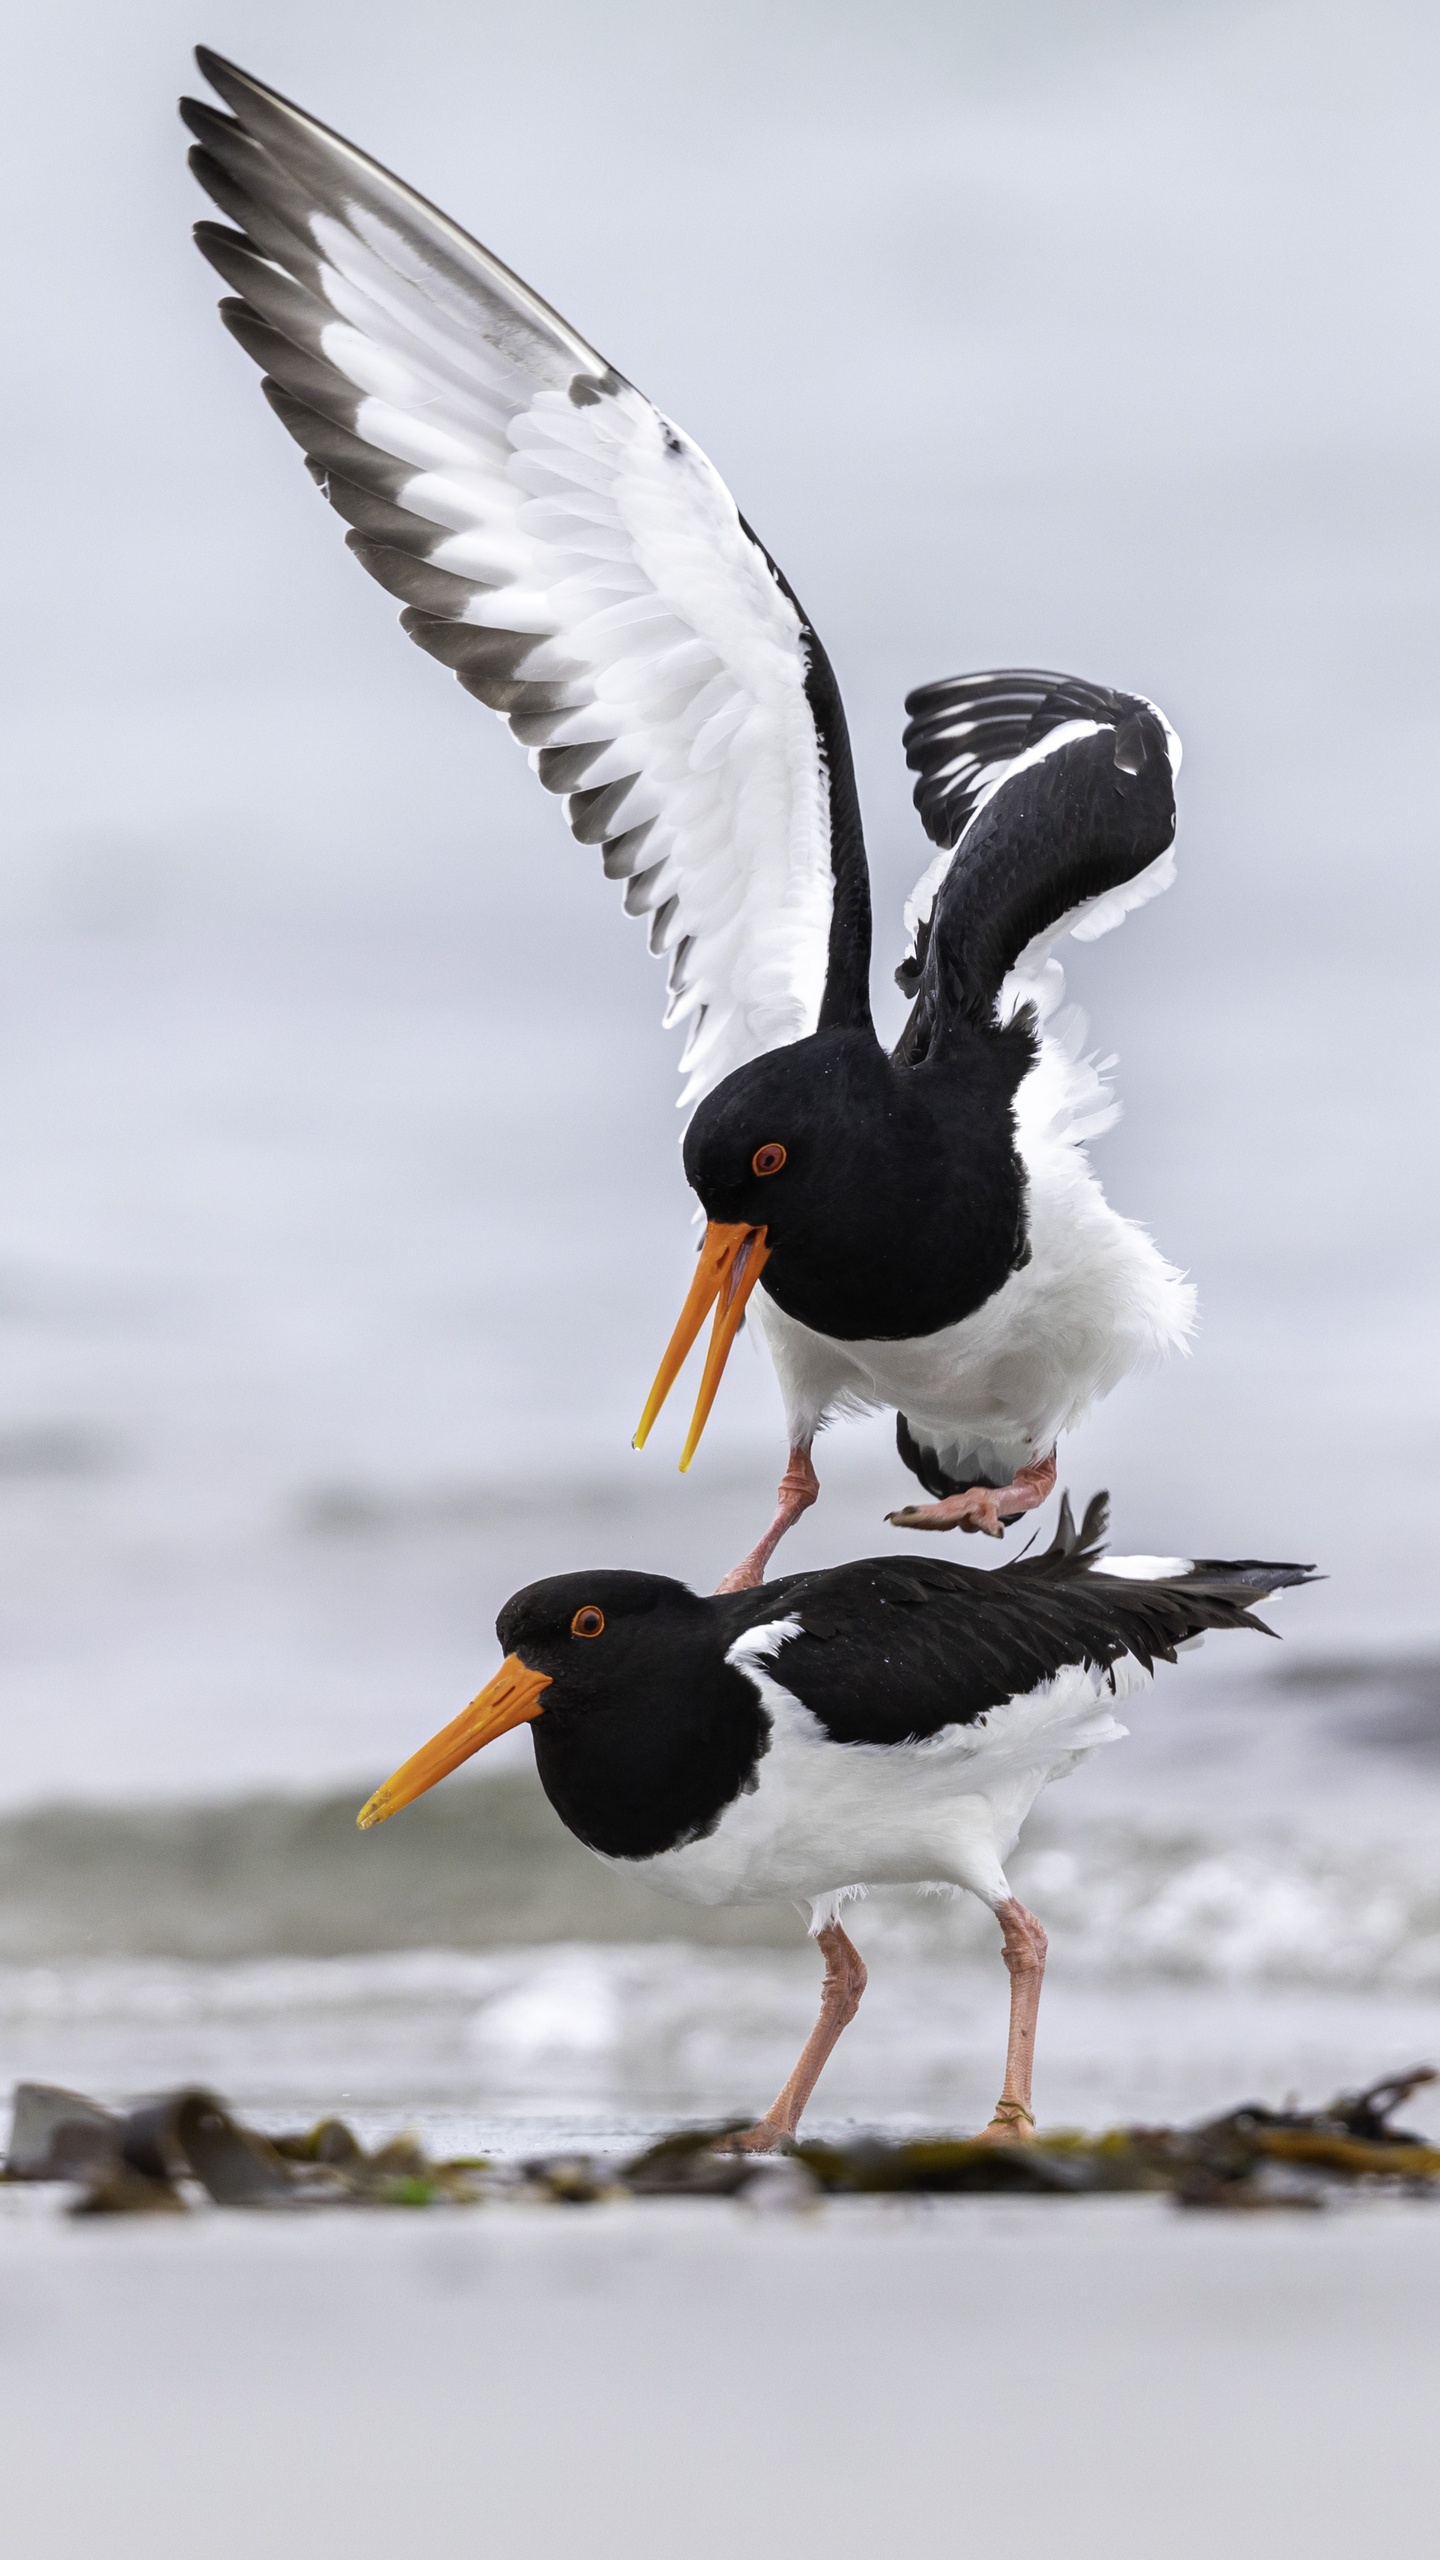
(341, 1216)
(342, 1223)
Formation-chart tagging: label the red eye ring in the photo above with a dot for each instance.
(588, 1622)
(768, 1159)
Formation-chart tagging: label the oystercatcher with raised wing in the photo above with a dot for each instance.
(888, 1722)
(916, 1230)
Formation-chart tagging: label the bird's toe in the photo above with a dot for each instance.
(975, 1510)
(1010, 2123)
(755, 2137)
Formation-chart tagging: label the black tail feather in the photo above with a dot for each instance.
(1210, 1591)
(1071, 1550)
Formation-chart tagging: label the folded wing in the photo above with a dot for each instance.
(886, 1650)
(570, 554)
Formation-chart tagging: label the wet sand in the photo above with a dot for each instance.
(1106, 2381)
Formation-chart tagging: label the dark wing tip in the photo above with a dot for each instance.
(201, 119)
(220, 72)
(240, 89)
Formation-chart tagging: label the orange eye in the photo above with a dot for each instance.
(588, 1622)
(768, 1159)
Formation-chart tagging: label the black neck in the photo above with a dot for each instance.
(846, 1002)
(915, 1212)
(653, 1759)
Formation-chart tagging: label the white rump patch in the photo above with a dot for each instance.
(1145, 1568)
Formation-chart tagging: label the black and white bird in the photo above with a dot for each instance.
(920, 1229)
(882, 1723)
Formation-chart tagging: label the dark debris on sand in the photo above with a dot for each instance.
(166, 2152)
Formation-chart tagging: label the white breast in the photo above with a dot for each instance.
(825, 1818)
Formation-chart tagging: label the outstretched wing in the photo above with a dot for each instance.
(1053, 803)
(571, 555)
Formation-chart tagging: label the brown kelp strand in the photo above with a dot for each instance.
(166, 2153)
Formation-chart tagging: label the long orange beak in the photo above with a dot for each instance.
(511, 1698)
(731, 1261)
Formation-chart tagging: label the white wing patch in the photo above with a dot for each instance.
(963, 742)
(506, 484)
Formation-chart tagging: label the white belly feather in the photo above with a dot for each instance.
(825, 1818)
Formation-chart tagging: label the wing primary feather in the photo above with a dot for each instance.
(620, 854)
(569, 554)
(308, 377)
(416, 582)
(375, 518)
(563, 769)
(592, 814)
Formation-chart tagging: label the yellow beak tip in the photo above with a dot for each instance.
(375, 1811)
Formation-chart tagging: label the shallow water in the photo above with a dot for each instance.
(592, 2045)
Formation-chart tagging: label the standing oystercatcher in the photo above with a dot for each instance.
(921, 1228)
(889, 1722)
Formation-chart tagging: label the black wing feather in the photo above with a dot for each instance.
(1083, 820)
(890, 1652)
(964, 730)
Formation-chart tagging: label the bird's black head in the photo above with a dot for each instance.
(880, 1201)
(764, 1149)
(643, 1733)
(585, 1631)
(891, 1199)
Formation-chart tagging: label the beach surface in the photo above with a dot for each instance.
(1102, 2381)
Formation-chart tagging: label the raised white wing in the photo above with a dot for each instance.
(568, 552)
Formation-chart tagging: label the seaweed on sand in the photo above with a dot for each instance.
(165, 2151)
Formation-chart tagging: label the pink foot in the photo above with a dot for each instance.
(799, 1487)
(756, 2137)
(983, 1507)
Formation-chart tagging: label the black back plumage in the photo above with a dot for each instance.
(893, 1649)
(649, 1733)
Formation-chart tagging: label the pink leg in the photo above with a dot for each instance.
(1025, 1950)
(839, 2000)
(799, 1487)
(986, 1507)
